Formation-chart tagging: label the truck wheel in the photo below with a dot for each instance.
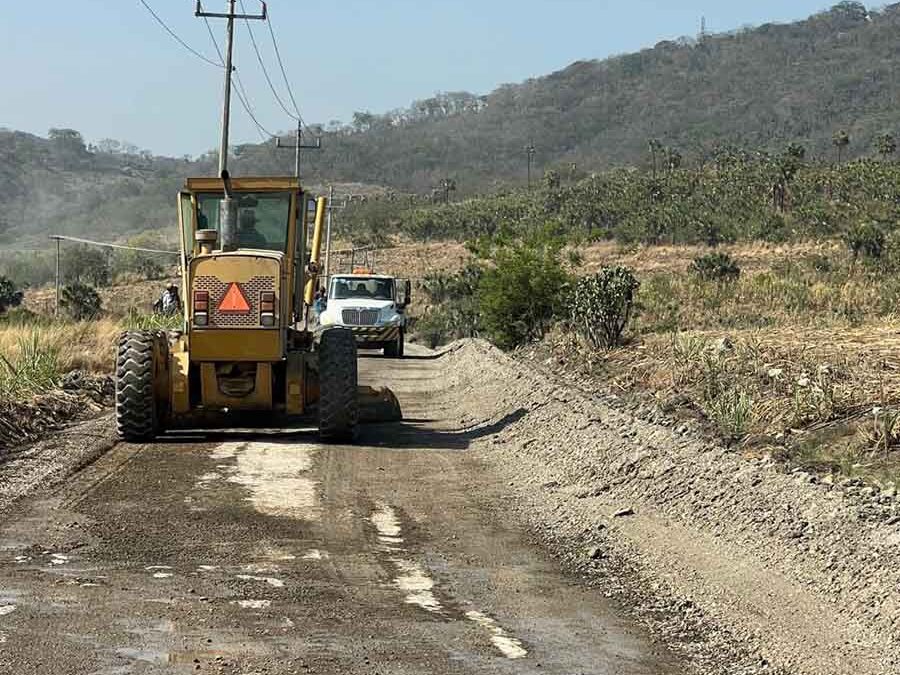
(138, 415)
(338, 404)
(394, 350)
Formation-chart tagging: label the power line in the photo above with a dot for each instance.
(178, 39)
(60, 237)
(240, 91)
(263, 66)
(265, 134)
(287, 83)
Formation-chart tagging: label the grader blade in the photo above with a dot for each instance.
(378, 405)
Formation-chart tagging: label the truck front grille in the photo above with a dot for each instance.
(360, 317)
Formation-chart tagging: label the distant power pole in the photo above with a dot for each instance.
(228, 209)
(702, 27)
(332, 207)
(298, 146)
(530, 152)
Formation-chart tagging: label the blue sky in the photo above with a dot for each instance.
(106, 68)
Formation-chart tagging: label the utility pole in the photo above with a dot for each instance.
(298, 146)
(530, 152)
(331, 208)
(228, 208)
(58, 240)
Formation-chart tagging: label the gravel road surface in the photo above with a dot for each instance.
(267, 552)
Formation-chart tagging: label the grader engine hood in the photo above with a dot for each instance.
(236, 307)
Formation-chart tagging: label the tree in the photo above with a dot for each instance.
(886, 146)
(84, 263)
(787, 165)
(81, 302)
(448, 185)
(655, 147)
(520, 294)
(68, 147)
(10, 296)
(840, 140)
(673, 159)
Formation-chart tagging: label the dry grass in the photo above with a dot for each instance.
(117, 300)
(800, 358)
(36, 348)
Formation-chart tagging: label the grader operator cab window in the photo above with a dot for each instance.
(263, 218)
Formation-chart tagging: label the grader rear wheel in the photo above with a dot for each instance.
(139, 417)
(338, 374)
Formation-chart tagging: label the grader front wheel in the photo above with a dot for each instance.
(139, 415)
(338, 374)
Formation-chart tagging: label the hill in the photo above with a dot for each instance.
(758, 88)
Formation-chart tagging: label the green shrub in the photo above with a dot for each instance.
(435, 328)
(10, 296)
(601, 305)
(866, 240)
(519, 296)
(716, 267)
(81, 302)
(454, 309)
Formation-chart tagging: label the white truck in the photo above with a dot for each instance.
(372, 306)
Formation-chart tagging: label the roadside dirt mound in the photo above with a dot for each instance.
(78, 396)
(802, 575)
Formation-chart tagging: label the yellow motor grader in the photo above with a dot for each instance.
(248, 276)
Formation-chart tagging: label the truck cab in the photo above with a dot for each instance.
(372, 306)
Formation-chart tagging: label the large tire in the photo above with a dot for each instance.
(338, 375)
(394, 350)
(138, 415)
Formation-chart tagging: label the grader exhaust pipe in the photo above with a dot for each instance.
(228, 209)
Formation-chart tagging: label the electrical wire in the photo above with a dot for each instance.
(264, 133)
(178, 39)
(262, 65)
(78, 240)
(287, 83)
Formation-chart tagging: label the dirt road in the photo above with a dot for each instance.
(266, 552)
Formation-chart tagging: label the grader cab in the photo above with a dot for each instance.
(246, 351)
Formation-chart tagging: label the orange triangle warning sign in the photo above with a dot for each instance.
(234, 300)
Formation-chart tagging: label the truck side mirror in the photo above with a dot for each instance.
(407, 292)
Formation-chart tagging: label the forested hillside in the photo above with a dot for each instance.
(758, 88)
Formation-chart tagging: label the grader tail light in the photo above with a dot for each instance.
(267, 309)
(201, 308)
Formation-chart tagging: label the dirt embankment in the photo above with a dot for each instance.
(778, 571)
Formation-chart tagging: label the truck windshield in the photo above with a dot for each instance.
(263, 218)
(371, 288)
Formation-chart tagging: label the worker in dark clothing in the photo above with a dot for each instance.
(169, 302)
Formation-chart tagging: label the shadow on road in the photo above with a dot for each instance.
(415, 434)
(274, 434)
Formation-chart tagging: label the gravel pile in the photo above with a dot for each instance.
(744, 566)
